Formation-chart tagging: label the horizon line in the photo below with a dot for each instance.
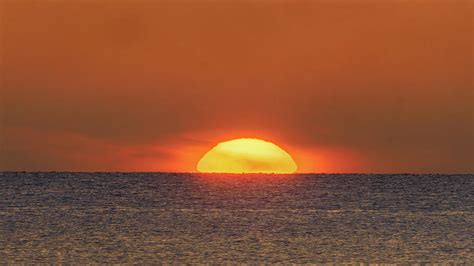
(218, 173)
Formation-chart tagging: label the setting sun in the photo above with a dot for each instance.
(247, 155)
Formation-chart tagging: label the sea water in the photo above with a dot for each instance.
(190, 218)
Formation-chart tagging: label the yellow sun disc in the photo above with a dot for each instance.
(246, 155)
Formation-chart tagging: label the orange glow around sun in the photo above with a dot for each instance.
(247, 155)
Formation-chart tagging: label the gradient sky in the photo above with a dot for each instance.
(344, 86)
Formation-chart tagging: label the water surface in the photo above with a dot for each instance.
(164, 217)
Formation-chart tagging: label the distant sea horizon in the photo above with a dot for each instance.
(244, 173)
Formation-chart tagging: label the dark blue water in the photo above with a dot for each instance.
(158, 217)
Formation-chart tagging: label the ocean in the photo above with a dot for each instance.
(54, 217)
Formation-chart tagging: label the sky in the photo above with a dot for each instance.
(343, 86)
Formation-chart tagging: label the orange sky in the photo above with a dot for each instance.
(344, 86)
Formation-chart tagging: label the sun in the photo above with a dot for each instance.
(247, 155)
